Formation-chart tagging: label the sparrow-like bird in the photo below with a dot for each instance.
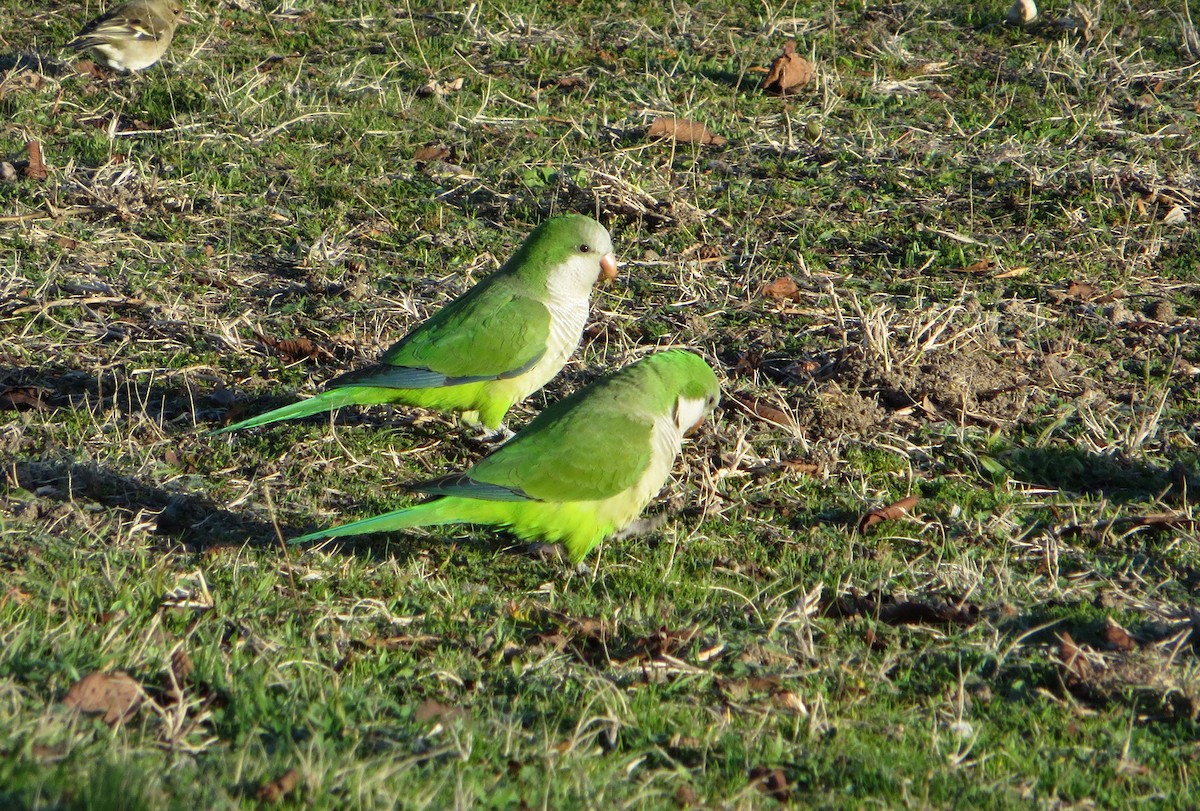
(133, 35)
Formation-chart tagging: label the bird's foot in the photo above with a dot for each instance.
(497, 437)
(641, 526)
(547, 552)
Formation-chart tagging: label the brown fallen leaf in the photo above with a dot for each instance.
(1082, 290)
(897, 509)
(275, 790)
(435, 88)
(982, 266)
(116, 695)
(400, 642)
(36, 168)
(19, 397)
(296, 348)
(432, 710)
(683, 130)
(772, 782)
(1012, 273)
(433, 152)
(748, 363)
(1073, 658)
(765, 412)
(181, 666)
(789, 70)
(1116, 637)
(15, 596)
(782, 289)
(1164, 521)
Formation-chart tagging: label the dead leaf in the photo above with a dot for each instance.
(782, 289)
(296, 348)
(15, 596)
(435, 88)
(433, 152)
(801, 467)
(568, 82)
(748, 363)
(1082, 291)
(181, 666)
(400, 642)
(897, 509)
(1073, 658)
(432, 710)
(36, 168)
(765, 412)
(23, 397)
(1116, 637)
(117, 695)
(1012, 273)
(789, 70)
(982, 266)
(683, 130)
(772, 782)
(1176, 216)
(275, 790)
(685, 796)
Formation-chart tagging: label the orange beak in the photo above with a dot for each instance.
(608, 267)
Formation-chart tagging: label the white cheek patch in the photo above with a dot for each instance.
(688, 412)
(574, 278)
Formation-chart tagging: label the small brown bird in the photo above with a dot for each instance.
(133, 35)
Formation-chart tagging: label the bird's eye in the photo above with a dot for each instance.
(584, 248)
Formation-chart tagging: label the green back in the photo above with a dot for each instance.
(501, 324)
(596, 443)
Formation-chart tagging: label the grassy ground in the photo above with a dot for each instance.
(992, 236)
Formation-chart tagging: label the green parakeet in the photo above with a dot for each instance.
(494, 345)
(583, 468)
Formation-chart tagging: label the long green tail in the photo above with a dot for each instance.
(431, 513)
(325, 401)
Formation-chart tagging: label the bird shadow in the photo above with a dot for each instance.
(179, 519)
(1075, 471)
(178, 400)
(34, 62)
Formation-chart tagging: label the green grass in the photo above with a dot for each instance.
(260, 182)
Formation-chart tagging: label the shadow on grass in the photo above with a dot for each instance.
(200, 524)
(1073, 470)
(166, 400)
(195, 521)
(34, 63)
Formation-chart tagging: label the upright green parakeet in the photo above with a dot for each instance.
(491, 347)
(583, 468)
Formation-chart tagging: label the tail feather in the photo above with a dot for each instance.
(431, 513)
(326, 401)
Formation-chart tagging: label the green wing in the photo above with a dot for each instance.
(493, 331)
(587, 454)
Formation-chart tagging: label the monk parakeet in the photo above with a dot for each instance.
(583, 468)
(494, 345)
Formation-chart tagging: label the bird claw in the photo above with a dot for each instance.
(497, 437)
(548, 552)
(641, 526)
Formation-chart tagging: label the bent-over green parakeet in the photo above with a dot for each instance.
(583, 468)
(494, 345)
